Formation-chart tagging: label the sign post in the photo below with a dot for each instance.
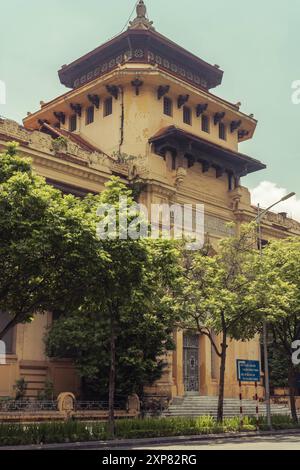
(241, 404)
(248, 371)
(257, 410)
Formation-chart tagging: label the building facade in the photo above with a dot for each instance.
(142, 108)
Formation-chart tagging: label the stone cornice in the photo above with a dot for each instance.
(130, 70)
(160, 188)
(272, 223)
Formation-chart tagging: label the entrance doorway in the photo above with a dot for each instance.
(191, 363)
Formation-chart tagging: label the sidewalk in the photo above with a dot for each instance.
(110, 445)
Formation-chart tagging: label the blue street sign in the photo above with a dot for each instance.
(248, 371)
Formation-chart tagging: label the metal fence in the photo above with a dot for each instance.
(31, 406)
(154, 405)
(97, 405)
(27, 406)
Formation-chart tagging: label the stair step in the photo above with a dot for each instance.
(195, 406)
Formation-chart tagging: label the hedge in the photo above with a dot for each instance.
(76, 431)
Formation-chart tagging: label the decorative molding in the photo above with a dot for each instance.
(137, 84)
(60, 116)
(243, 133)
(218, 117)
(42, 142)
(159, 189)
(200, 109)
(272, 222)
(234, 125)
(146, 56)
(77, 108)
(181, 174)
(162, 91)
(113, 90)
(95, 100)
(141, 21)
(182, 99)
(205, 166)
(219, 171)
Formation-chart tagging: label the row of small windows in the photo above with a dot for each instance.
(187, 118)
(90, 114)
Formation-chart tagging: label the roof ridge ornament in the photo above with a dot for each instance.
(141, 21)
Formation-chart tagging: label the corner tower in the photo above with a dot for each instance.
(143, 95)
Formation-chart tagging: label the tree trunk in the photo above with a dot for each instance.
(292, 379)
(112, 381)
(222, 378)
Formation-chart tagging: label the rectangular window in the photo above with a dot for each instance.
(168, 106)
(205, 123)
(89, 118)
(73, 123)
(187, 115)
(222, 131)
(108, 107)
(8, 339)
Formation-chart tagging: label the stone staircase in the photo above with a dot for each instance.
(194, 406)
(35, 377)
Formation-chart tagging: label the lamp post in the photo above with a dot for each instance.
(258, 219)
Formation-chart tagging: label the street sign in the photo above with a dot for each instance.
(248, 371)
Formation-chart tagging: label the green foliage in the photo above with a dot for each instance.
(60, 143)
(281, 267)
(222, 295)
(48, 393)
(224, 292)
(48, 433)
(11, 163)
(20, 387)
(136, 299)
(49, 247)
(279, 364)
(137, 187)
(281, 261)
(51, 259)
(73, 431)
(278, 422)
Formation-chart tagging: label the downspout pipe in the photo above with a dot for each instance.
(122, 118)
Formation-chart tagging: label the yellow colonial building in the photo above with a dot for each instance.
(143, 108)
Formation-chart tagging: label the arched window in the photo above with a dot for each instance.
(9, 337)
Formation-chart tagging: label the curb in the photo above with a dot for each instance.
(107, 445)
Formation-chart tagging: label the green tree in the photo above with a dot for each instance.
(279, 364)
(224, 294)
(48, 244)
(281, 261)
(123, 332)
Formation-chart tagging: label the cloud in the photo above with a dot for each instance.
(266, 193)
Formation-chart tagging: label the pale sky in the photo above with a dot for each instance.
(256, 44)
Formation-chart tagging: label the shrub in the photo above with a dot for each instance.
(48, 393)
(20, 388)
(278, 422)
(77, 431)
